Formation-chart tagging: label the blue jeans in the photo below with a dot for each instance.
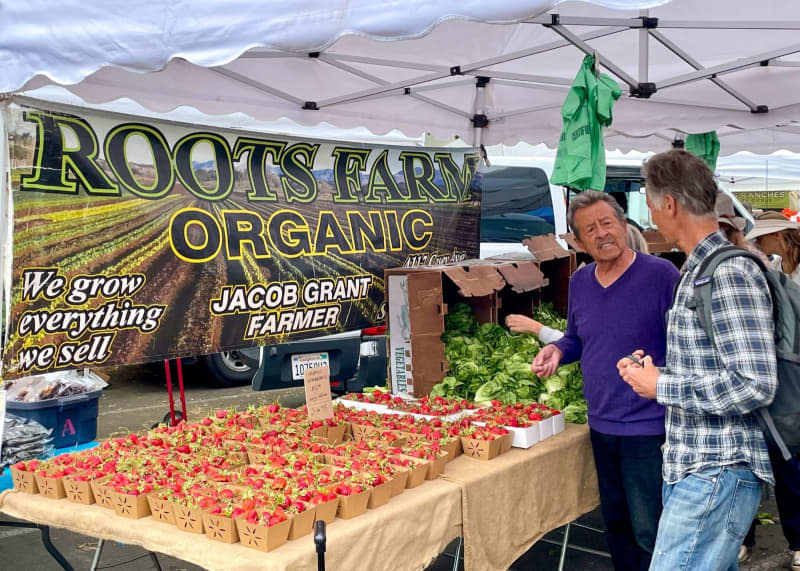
(629, 476)
(706, 516)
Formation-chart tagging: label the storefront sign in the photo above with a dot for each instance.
(765, 199)
(137, 240)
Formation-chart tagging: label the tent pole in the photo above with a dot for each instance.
(480, 111)
(644, 50)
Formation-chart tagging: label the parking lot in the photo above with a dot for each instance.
(136, 397)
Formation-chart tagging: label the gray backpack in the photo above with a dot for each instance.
(780, 421)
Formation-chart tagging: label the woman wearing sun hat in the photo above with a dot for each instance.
(776, 234)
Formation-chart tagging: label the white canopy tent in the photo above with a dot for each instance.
(451, 66)
(748, 171)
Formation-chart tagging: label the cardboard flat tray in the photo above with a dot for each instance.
(444, 418)
(527, 437)
(521, 437)
(358, 405)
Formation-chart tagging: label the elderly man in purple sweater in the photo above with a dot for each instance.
(616, 305)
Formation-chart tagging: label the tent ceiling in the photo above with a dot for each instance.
(331, 61)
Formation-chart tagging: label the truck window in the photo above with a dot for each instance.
(516, 204)
(626, 185)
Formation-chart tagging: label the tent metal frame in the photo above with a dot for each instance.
(578, 32)
(437, 77)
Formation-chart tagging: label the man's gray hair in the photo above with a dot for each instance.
(685, 178)
(586, 199)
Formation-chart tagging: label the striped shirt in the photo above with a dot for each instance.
(710, 390)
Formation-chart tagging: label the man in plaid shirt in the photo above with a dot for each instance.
(715, 456)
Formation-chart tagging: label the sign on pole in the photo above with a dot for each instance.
(138, 240)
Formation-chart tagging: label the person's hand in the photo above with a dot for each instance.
(546, 361)
(522, 324)
(642, 377)
(626, 361)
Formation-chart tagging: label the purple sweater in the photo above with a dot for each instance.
(604, 325)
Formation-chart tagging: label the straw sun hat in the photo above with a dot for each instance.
(770, 223)
(726, 214)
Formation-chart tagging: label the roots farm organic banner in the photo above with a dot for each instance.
(134, 240)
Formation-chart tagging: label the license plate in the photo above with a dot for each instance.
(301, 363)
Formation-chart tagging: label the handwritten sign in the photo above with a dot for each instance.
(318, 393)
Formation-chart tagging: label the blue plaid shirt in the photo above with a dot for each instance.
(710, 390)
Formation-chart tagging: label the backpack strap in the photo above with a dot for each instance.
(701, 301)
(701, 304)
(768, 425)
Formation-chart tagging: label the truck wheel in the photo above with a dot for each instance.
(228, 368)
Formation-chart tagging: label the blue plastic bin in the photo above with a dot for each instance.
(73, 418)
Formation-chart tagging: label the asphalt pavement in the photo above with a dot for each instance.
(137, 398)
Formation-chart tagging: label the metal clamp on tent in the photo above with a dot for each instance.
(480, 121)
(643, 90)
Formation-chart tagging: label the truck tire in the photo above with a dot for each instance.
(228, 369)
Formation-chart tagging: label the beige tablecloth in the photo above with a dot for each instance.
(407, 533)
(510, 502)
(505, 504)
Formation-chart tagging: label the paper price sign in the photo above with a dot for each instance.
(318, 393)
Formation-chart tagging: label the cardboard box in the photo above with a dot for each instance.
(302, 523)
(24, 481)
(191, 519)
(418, 299)
(437, 466)
(380, 495)
(521, 437)
(581, 256)
(417, 473)
(557, 264)
(103, 494)
(358, 405)
(220, 528)
(78, 492)
(326, 511)
(262, 537)
(656, 242)
(486, 449)
(130, 506)
(353, 505)
(399, 481)
(453, 448)
(443, 417)
(161, 509)
(331, 434)
(52, 488)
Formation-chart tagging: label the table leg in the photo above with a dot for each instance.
(97, 552)
(457, 555)
(578, 547)
(51, 549)
(564, 548)
(154, 557)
